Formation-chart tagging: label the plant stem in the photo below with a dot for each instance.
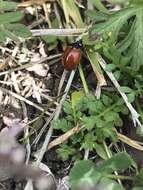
(109, 154)
(121, 177)
(83, 79)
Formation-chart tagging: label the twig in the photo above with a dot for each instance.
(43, 129)
(57, 113)
(26, 132)
(61, 139)
(62, 81)
(59, 32)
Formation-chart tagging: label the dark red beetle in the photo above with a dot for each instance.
(72, 55)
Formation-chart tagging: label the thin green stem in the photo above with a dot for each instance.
(121, 177)
(107, 150)
(83, 80)
(109, 154)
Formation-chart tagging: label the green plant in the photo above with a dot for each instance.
(86, 174)
(98, 117)
(9, 26)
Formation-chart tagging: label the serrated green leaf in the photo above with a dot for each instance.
(7, 5)
(62, 124)
(136, 47)
(76, 97)
(67, 108)
(89, 122)
(106, 100)
(89, 141)
(65, 151)
(11, 17)
(110, 116)
(126, 42)
(115, 20)
(99, 122)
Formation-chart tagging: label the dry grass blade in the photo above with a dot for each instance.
(57, 113)
(61, 139)
(129, 141)
(58, 32)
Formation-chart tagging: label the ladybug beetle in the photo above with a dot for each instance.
(71, 56)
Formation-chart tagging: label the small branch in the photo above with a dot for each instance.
(58, 32)
(57, 113)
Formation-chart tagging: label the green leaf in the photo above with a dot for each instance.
(136, 1)
(76, 97)
(100, 151)
(89, 141)
(99, 122)
(99, 5)
(106, 100)
(65, 151)
(89, 122)
(4, 33)
(126, 42)
(50, 39)
(7, 5)
(120, 161)
(126, 89)
(62, 124)
(117, 74)
(109, 133)
(108, 184)
(67, 108)
(110, 67)
(136, 47)
(139, 178)
(6, 18)
(19, 30)
(115, 20)
(110, 116)
(83, 173)
(71, 10)
(98, 16)
(131, 97)
(137, 188)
